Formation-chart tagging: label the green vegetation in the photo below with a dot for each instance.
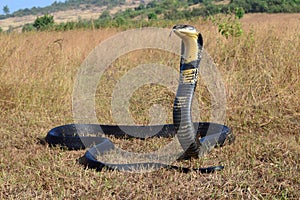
(270, 6)
(104, 21)
(28, 28)
(228, 26)
(44, 23)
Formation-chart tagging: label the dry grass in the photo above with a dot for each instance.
(261, 71)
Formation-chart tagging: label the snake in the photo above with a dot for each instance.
(195, 138)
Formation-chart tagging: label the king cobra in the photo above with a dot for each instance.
(195, 138)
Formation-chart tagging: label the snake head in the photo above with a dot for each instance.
(185, 31)
(192, 41)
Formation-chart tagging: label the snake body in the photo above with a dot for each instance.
(191, 48)
(196, 139)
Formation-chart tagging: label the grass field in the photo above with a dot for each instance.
(261, 72)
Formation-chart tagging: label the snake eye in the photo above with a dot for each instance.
(190, 28)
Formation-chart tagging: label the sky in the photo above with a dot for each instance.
(15, 5)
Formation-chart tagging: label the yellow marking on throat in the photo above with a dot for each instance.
(191, 49)
(189, 76)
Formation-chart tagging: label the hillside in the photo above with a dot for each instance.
(123, 11)
(69, 5)
(71, 12)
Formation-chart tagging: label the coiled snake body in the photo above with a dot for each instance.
(196, 139)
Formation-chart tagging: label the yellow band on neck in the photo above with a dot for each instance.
(189, 76)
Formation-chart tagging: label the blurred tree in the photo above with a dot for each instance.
(239, 12)
(28, 28)
(105, 15)
(6, 10)
(44, 23)
(152, 16)
(119, 21)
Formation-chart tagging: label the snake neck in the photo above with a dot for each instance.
(182, 118)
(190, 50)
